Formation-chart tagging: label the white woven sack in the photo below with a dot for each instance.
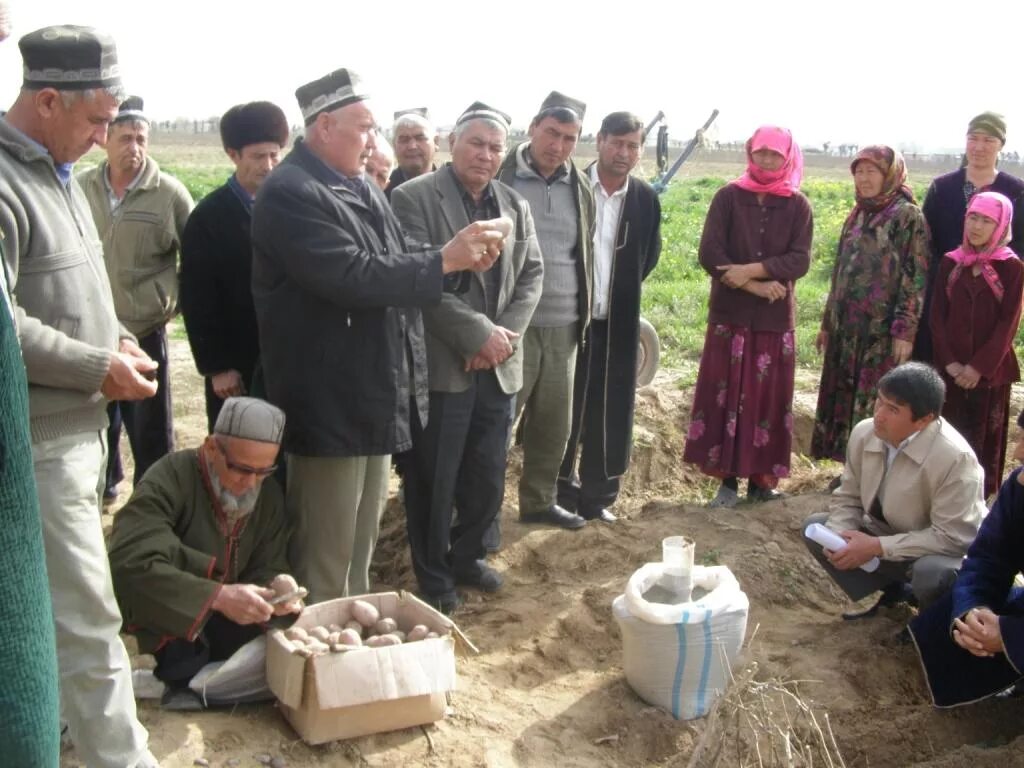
(678, 657)
(241, 678)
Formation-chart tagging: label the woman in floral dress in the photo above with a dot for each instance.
(874, 305)
(756, 244)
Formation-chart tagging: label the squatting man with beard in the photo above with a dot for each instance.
(193, 550)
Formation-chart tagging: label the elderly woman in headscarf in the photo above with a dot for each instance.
(874, 304)
(756, 245)
(975, 312)
(946, 203)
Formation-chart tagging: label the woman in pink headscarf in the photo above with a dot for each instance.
(756, 244)
(975, 312)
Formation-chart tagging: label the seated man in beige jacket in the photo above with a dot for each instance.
(911, 495)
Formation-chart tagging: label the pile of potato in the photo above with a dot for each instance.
(366, 629)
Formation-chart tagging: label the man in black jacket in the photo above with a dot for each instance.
(337, 300)
(627, 244)
(216, 256)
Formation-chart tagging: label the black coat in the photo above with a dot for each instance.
(337, 299)
(216, 285)
(637, 249)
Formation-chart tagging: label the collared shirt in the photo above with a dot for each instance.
(241, 192)
(609, 211)
(64, 171)
(482, 210)
(356, 184)
(112, 197)
(892, 452)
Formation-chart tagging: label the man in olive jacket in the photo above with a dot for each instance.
(475, 370)
(140, 213)
(194, 549)
(337, 298)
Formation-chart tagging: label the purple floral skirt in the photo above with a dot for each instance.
(742, 420)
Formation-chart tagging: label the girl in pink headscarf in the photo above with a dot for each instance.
(756, 244)
(975, 312)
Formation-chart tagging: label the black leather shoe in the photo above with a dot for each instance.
(554, 515)
(604, 515)
(757, 495)
(893, 594)
(485, 578)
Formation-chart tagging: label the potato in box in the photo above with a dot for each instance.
(366, 690)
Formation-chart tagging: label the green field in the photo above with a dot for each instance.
(676, 294)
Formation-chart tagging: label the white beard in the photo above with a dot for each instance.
(235, 506)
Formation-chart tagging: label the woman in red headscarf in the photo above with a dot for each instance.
(874, 303)
(756, 244)
(975, 312)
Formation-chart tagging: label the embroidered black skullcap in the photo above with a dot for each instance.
(338, 89)
(69, 58)
(991, 123)
(419, 111)
(253, 123)
(130, 110)
(556, 100)
(249, 418)
(478, 110)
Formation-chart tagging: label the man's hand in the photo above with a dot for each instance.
(127, 376)
(475, 247)
(821, 341)
(860, 547)
(497, 349)
(901, 350)
(968, 378)
(978, 632)
(244, 603)
(227, 384)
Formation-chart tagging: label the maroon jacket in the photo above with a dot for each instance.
(972, 328)
(739, 230)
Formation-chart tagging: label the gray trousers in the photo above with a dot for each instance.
(95, 674)
(930, 576)
(334, 508)
(545, 405)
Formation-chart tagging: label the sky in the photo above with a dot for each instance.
(901, 72)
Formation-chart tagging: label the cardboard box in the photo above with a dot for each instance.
(371, 690)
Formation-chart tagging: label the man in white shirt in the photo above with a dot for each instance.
(627, 244)
(910, 495)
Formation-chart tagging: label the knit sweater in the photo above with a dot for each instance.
(65, 312)
(28, 655)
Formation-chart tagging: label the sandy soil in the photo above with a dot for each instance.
(547, 688)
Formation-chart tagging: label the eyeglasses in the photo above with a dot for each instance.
(244, 469)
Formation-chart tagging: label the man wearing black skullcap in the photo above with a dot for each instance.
(945, 206)
(76, 356)
(216, 256)
(562, 204)
(140, 212)
(195, 548)
(458, 456)
(337, 298)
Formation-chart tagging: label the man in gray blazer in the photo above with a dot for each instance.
(474, 369)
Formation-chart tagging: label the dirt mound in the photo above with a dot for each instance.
(547, 688)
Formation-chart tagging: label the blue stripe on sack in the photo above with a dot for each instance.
(677, 686)
(706, 671)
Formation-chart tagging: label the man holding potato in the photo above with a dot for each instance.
(458, 457)
(192, 551)
(338, 294)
